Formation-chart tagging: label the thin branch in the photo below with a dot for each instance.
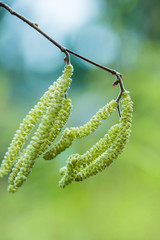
(35, 26)
(94, 63)
(63, 49)
(66, 50)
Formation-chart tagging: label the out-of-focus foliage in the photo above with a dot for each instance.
(134, 15)
(123, 201)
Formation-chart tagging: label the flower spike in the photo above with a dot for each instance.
(101, 155)
(24, 130)
(54, 110)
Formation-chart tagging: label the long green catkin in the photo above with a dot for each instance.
(25, 128)
(27, 159)
(68, 135)
(118, 145)
(42, 137)
(103, 153)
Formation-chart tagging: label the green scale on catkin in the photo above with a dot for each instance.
(50, 126)
(68, 135)
(101, 155)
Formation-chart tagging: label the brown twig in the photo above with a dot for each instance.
(66, 50)
(63, 49)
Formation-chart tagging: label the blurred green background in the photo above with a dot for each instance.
(121, 203)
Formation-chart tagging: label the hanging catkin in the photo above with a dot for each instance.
(25, 128)
(56, 103)
(118, 145)
(36, 147)
(103, 153)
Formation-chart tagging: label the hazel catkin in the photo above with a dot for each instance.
(104, 152)
(25, 128)
(118, 145)
(36, 147)
(43, 136)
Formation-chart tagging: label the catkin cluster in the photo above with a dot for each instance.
(53, 109)
(52, 112)
(102, 154)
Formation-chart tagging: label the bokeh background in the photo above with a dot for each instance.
(121, 203)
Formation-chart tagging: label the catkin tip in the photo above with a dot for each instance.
(12, 189)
